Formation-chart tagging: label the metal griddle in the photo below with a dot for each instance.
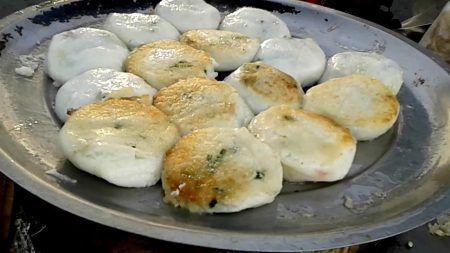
(398, 181)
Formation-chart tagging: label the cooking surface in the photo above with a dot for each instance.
(46, 228)
(42, 227)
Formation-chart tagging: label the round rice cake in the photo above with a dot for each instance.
(73, 52)
(164, 62)
(136, 29)
(373, 65)
(188, 15)
(229, 49)
(99, 84)
(362, 104)
(262, 86)
(303, 59)
(216, 170)
(197, 103)
(256, 23)
(120, 140)
(311, 147)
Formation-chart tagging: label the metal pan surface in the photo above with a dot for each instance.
(397, 182)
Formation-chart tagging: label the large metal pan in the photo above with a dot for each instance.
(398, 181)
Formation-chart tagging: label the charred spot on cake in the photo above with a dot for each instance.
(219, 190)
(182, 64)
(70, 111)
(259, 175)
(212, 203)
(118, 125)
(186, 95)
(289, 118)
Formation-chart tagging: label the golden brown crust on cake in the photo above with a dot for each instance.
(164, 62)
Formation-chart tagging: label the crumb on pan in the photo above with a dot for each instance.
(441, 227)
(348, 202)
(28, 64)
(24, 71)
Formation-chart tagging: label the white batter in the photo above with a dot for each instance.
(303, 59)
(136, 29)
(229, 49)
(188, 15)
(371, 64)
(123, 141)
(98, 84)
(256, 23)
(73, 52)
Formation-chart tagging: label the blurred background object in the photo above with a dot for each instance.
(422, 13)
(412, 18)
(378, 11)
(409, 17)
(437, 38)
(6, 204)
(8, 7)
